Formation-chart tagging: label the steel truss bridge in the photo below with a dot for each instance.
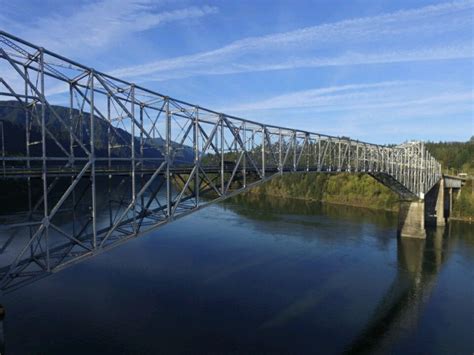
(104, 160)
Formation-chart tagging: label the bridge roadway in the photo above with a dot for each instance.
(13, 172)
(61, 171)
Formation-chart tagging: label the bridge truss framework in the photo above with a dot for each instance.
(67, 221)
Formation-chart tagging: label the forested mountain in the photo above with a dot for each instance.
(13, 116)
(455, 157)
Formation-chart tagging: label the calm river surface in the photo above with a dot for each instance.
(258, 276)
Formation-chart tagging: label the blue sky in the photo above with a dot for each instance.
(381, 71)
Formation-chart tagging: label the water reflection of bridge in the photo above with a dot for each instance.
(398, 313)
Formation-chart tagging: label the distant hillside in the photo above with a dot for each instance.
(455, 157)
(13, 116)
(343, 188)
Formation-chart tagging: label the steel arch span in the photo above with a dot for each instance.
(156, 157)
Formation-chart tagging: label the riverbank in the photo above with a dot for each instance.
(334, 203)
(462, 219)
(358, 190)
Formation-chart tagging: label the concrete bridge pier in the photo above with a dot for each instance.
(439, 209)
(437, 205)
(433, 210)
(452, 189)
(411, 219)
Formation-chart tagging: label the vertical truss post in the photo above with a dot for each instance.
(413, 162)
(371, 159)
(222, 141)
(347, 156)
(405, 166)
(263, 151)
(168, 158)
(142, 155)
(27, 126)
(142, 141)
(331, 154)
(379, 160)
(252, 141)
(415, 168)
(410, 167)
(364, 158)
(384, 166)
(71, 126)
(27, 151)
(92, 161)
(109, 143)
(295, 145)
(399, 165)
(308, 150)
(244, 147)
(401, 160)
(43, 158)
(71, 153)
(132, 143)
(357, 162)
(280, 162)
(339, 167)
(421, 187)
(391, 172)
(196, 155)
(319, 153)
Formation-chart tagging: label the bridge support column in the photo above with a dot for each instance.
(450, 208)
(440, 220)
(411, 219)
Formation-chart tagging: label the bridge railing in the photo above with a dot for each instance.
(64, 125)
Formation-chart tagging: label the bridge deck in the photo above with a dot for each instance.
(453, 182)
(22, 172)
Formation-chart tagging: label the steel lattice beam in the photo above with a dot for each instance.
(227, 155)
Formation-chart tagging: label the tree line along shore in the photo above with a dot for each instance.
(360, 190)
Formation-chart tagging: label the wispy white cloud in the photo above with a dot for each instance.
(98, 24)
(360, 110)
(407, 35)
(388, 94)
